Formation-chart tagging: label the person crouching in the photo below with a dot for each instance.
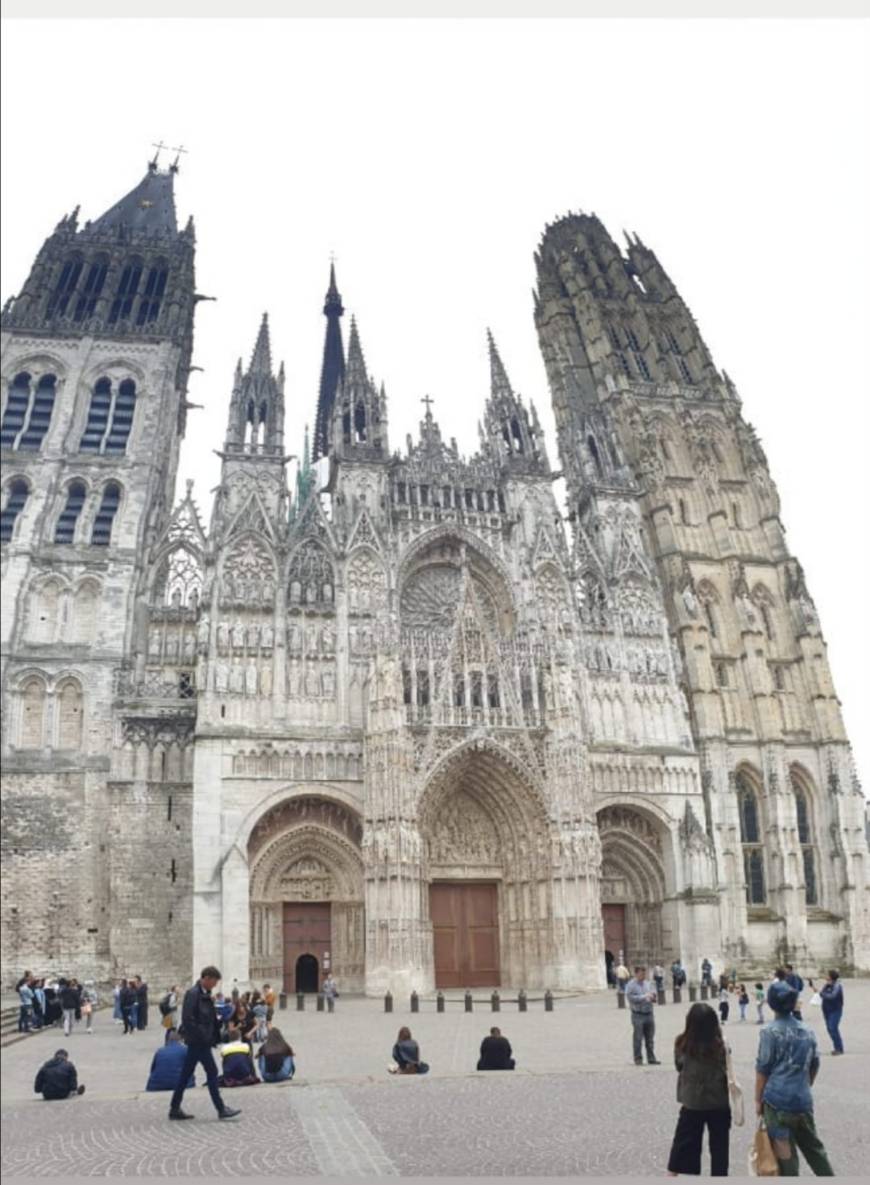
(58, 1079)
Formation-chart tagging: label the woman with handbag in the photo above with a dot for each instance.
(704, 1090)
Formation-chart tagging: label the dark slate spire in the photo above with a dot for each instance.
(261, 359)
(149, 208)
(332, 370)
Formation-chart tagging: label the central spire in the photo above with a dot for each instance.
(332, 370)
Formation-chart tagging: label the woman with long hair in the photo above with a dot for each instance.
(275, 1059)
(406, 1055)
(700, 1055)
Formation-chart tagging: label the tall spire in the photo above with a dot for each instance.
(332, 370)
(513, 435)
(499, 381)
(261, 359)
(256, 419)
(149, 207)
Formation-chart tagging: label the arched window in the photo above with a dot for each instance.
(594, 454)
(637, 355)
(616, 343)
(32, 714)
(65, 287)
(15, 500)
(128, 286)
(102, 531)
(46, 612)
(69, 715)
(764, 604)
(110, 417)
(93, 287)
(65, 530)
(805, 839)
(87, 599)
(750, 839)
(155, 286)
(28, 412)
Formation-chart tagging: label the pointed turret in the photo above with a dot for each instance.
(499, 383)
(256, 419)
(512, 434)
(359, 426)
(332, 369)
(261, 359)
(305, 478)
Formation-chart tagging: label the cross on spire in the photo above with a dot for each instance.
(178, 151)
(159, 148)
(428, 400)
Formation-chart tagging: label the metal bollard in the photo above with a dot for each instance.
(693, 993)
(661, 998)
(415, 1002)
(282, 1000)
(439, 1002)
(495, 1002)
(678, 996)
(320, 1001)
(548, 1001)
(469, 1004)
(522, 1002)
(704, 991)
(388, 1002)
(620, 999)
(300, 1002)
(330, 1004)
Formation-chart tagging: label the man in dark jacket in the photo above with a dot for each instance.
(58, 1079)
(200, 1029)
(127, 1000)
(142, 1003)
(166, 1065)
(69, 1002)
(495, 1052)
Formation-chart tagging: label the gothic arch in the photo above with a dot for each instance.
(366, 580)
(288, 794)
(36, 365)
(247, 572)
(637, 875)
(451, 532)
(498, 758)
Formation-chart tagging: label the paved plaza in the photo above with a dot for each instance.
(576, 1105)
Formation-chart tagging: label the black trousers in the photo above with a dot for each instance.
(685, 1154)
(198, 1055)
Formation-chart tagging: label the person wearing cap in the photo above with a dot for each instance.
(785, 1069)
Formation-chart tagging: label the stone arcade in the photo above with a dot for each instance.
(403, 725)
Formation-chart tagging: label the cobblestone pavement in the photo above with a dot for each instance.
(576, 1105)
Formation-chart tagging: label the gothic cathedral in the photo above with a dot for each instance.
(404, 723)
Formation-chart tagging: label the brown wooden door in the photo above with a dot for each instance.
(613, 917)
(465, 934)
(307, 932)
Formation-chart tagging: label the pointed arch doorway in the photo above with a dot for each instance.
(307, 974)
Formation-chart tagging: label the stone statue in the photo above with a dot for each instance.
(266, 636)
(202, 632)
(251, 678)
(221, 676)
(223, 636)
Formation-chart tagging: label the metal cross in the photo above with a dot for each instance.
(180, 148)
(159, 148)
(428, 400)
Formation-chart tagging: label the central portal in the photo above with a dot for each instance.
(465, 934)
(307, 944)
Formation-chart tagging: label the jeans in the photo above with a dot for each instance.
(832, 1022)
(685, 1154)
(69, 1016)
(798, 1128)
(742, 1008)
(203, 1056)
(760, 1009)
(25, 1015)
(643, 1030)
(129, 1015)
(288, 1068)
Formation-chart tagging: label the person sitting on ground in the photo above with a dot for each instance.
(495, 1052)
(275, 1059)
(406, 1055)
(243, 1020)
(166, 1065)
(237, 1062)
(58, 1079)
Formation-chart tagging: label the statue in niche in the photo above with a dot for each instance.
(294, 639)
(295, 592)
(189, 646)
(193, 600)
(310, 594)
(253, 635)
(251, 678)
(154, 643)
(327, 639)
(293, 681)
(202, 632)
(327, 593)
(266, 635)
(221, 676)
(328, 683)
(312, 683)
(237, 679)
(172, 645)
(175, 599)
(237, 633)
(223, 635)
(266, 679)
(310, 639)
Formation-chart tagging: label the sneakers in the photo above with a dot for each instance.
(638, 1061)
(653, 1061)
(80, 1089)
(179, 1114)
(228, 1113)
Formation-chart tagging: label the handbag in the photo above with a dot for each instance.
(762, 1161)
(735, 1093)
(167, 1022)
(815, 998)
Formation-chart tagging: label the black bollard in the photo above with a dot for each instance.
(704, 992)
(522, 1002)
(388, 1002)
(678, 996)
(300, 1002)
(415, 1002)
(320, 1000)
(469, 1004)
(620, 999)
(439, 1002)
(693, 993)
(661, 998)
(330, 1004)
(495, 1002)
(548, 1001)
(282, 1000)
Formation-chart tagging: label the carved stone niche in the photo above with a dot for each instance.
(307, 880)
(464, 834)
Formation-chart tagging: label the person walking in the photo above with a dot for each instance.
(128, 1006)
(275, 1060)
(724, 1004)
(201, 1031)
(39, 1012)
(707, 973)
(168, 1007)
(785, 1070)
(794, 980)
(141, 1003)
(69, 1002)
(90, 999)
(759, 1003)
(25, 1005)
(57, 1078)
(742, 1001)
(659, 977)
(495, 1052)
(270, 998)
(330, 988)
(117, 1016)
(406, 1055)
(832, 1009)
(623, 975)
(700, 1055)
(678, 975)
(641, 997)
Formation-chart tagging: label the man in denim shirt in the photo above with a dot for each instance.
(785, 1069)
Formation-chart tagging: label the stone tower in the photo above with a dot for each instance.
(649, 428)
(95, 358)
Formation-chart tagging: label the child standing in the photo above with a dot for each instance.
(759, 1002)
(724, 1005)
(743, 1001)
(261, 1012)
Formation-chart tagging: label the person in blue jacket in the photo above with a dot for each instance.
(832, 1009)
(166, 1065)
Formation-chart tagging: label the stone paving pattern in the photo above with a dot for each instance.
(576, 1105)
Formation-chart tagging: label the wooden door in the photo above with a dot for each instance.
(613, 917)
(307, 931)
(465, 934)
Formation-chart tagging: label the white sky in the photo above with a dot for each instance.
(429, 155)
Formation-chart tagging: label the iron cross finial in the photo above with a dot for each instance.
(159, 148)
(428, 400)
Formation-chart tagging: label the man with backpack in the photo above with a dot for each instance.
(169, 1012)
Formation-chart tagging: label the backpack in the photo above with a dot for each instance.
(164, 1005)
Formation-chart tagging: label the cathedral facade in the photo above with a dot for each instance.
(410, 722)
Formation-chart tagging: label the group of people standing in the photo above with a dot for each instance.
(786, 1067)
(46, 1003)
(131, 1004)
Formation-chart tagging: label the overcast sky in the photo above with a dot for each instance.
(429, 155)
